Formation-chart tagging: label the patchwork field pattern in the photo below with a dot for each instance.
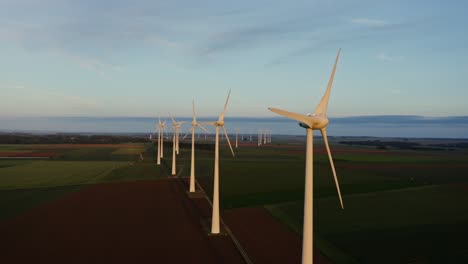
(400, 205)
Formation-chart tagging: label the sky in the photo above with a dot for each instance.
(139, 58)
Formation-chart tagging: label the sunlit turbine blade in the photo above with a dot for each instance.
(322, 107)
(229, 142)
(188, 133)
(208, 123)
(193, 110)
(325, 139)
(298, 117)
(173, 120)
(221, 116)
(202, 127)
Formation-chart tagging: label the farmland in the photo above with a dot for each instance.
(400, 205)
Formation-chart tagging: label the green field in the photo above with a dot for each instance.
(401, 206)
(26, 183)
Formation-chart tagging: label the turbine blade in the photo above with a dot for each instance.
(188, 133)
(202, 127)
(325, 139)
(221, 116)
(193, 110)
(322, 106)
(173, 120)
(229, 142)
(298, 117)
(208, 123)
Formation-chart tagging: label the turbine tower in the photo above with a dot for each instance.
(220, 123)
(259, 137)
(175, 126)
(176, 131)
(316, 121)
(160, 126)
(237, 132)
(192, 162)
(163, 126)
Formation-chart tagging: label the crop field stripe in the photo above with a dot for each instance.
(55, 173)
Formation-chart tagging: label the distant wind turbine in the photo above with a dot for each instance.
(316, 121)
(159, 128)
(218, 124)
(192, 162)
(175, 125)
(163, 126)
(260, 137)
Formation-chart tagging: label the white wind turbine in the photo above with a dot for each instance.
(192, 162)
(163, 126)
(176, 131)
(259, 137)
(316, 121)
(175, 125)
(217, 124)
(159, 128)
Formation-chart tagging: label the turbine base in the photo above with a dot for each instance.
(206, 226)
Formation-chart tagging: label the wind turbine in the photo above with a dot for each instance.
(176, 131)
(218, 124)
(159, 128)
(237, 132)
(259, 137)
(163, 126)
(316, 121)
(192, 162)
(175, 126)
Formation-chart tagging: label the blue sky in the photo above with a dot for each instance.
(138, 58)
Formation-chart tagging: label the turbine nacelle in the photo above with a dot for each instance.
(315, 121)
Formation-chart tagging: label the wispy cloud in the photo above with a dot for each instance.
(49, 98)
(345, 36)
(92, 64)
(390, 58)
(369, 22)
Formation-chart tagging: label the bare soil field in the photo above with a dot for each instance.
(132, 222)
(264, 238)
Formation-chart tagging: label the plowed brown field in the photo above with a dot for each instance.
(136, 222)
